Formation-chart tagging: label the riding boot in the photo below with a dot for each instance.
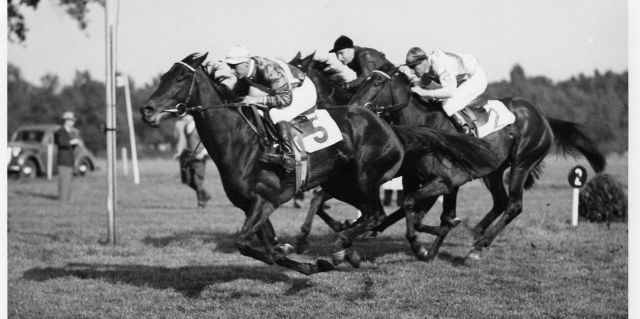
(459, 123)
(386, 201)
(285, 158)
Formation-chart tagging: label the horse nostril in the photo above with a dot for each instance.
(147, 110)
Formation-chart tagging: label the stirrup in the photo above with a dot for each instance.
(284, 160)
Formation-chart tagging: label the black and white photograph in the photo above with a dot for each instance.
(319, 159)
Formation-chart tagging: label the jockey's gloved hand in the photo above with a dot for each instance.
(253, 100)
(407, 72)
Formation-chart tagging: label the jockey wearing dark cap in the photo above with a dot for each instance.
(363, 61)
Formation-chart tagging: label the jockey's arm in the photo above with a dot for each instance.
(367, 61)
(447, 80)
(282, 95)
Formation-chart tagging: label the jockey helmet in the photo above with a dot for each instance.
(237, 55)
(343, 42)
(415, 56)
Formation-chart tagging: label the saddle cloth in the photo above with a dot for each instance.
(312, 132)
(488, 117)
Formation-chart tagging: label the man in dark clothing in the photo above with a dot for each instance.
(195, 160)
(66, 139)
(363, 61)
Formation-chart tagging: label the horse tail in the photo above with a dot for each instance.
(570, 138)
(473, 156)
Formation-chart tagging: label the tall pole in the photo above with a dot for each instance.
(110, 35)
(132, 132)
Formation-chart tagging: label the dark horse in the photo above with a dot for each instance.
(520, 146)
(351, 170)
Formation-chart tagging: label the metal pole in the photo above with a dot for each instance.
(111, 123)
(125, 161)
(132, 133)
(49, 161)
(574, 207)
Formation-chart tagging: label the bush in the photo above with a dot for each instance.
(603, 199)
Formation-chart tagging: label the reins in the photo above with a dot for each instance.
(182, 108)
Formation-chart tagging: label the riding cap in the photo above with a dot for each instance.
(68, 115)
(415, 56)
(237, 55)
(343, 42)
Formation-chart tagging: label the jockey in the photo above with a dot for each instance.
(456, 79)
(363, 61)
(277, 88)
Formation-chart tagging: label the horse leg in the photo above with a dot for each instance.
(315, 208)
(258, 221)
(408, 205)
(428, 194)
(519, 173)
(500, 199)
(448, 221)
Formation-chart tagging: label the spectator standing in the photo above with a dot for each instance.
(193, 159)
(66, 139)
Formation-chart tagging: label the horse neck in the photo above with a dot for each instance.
(427, 114)
(223, 131)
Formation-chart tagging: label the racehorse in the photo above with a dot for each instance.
(351, 170)
(521, 146)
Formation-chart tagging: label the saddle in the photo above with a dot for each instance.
(487, 116)
(475, 114)
(302, 128)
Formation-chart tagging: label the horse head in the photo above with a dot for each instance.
(177, 89)
(303, 63)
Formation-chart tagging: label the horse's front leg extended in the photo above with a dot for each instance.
(258, 221)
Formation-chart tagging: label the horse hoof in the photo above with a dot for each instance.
(284, 249)
(422, 254)
(302, 247)
(455, 222)
(324, 265)
(475, 254)
(338, 257)
(353, 258)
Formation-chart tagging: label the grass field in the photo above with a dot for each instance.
(174, 261)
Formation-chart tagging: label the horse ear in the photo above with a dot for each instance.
(298, 56)
(198, 61)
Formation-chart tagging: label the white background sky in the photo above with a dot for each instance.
(553, 38)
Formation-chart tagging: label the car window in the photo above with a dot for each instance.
(29, 136)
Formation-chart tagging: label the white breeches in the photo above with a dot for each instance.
(466, 92)
(304, 98)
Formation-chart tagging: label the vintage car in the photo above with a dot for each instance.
(28, 152)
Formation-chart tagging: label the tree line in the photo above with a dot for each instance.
(598, 102)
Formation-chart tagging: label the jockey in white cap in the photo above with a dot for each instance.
(456, 79)
(283, 91)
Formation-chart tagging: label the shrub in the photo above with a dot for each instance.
(603, 199)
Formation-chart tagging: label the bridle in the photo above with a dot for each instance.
(384, 112)
(183, 108)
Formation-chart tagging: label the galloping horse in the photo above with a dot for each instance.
(521, 147)
(351, 170)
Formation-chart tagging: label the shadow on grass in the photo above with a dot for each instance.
(34, 194)
(190, 280)
(320, 245)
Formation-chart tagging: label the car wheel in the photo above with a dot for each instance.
(29, 169)
(84, 167)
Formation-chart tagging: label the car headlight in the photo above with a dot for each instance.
(15, 151)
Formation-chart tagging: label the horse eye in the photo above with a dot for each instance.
(376, 84)
(180, 78)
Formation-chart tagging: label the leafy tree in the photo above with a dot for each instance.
(16, 24)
